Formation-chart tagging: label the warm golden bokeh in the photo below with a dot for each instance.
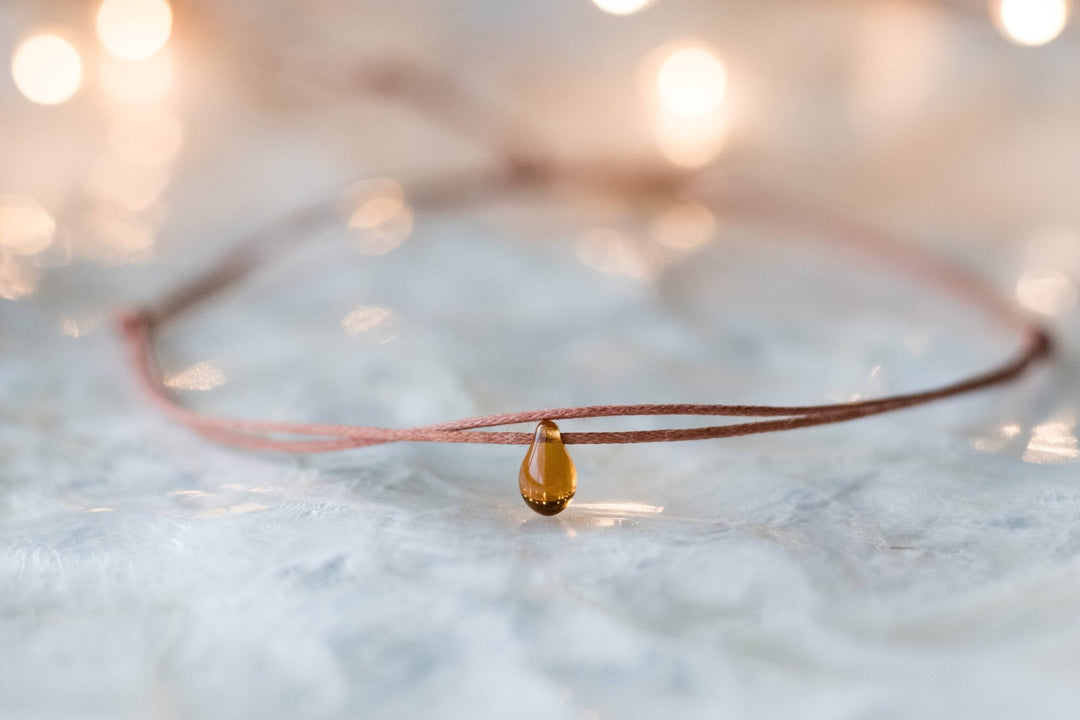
(1031, 22)
(622, 7)
(47, 69)
(134, 29)
(691, 81)
(685, 84)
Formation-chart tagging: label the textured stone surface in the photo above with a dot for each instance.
(885, 567)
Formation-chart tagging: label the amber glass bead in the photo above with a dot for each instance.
(548, 478)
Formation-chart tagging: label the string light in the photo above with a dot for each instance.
(134, 29)
(691, 81)
(1032, 22)
(686, 84)
(47, 69)
(622, 7)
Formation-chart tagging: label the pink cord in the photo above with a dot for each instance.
(138, 328)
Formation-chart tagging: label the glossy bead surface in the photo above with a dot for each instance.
(548, 478)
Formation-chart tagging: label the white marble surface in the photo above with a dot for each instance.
(923, 564)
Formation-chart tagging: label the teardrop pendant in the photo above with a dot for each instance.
(548, 478)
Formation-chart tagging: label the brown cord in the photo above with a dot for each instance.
(138, 329)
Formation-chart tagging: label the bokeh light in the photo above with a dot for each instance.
(47, 69)
(1046, 291)
(685, 84)
(134, 29)
(378, 216)
(691, 81)
(621, 7)
(25, 227)
(1032, 22)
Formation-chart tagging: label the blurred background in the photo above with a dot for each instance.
(906, 566)
(952, 116)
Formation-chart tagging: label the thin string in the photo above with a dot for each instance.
(139, 327)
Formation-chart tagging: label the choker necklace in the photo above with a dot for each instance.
(547, 478)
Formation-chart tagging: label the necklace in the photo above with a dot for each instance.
(547, 478)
